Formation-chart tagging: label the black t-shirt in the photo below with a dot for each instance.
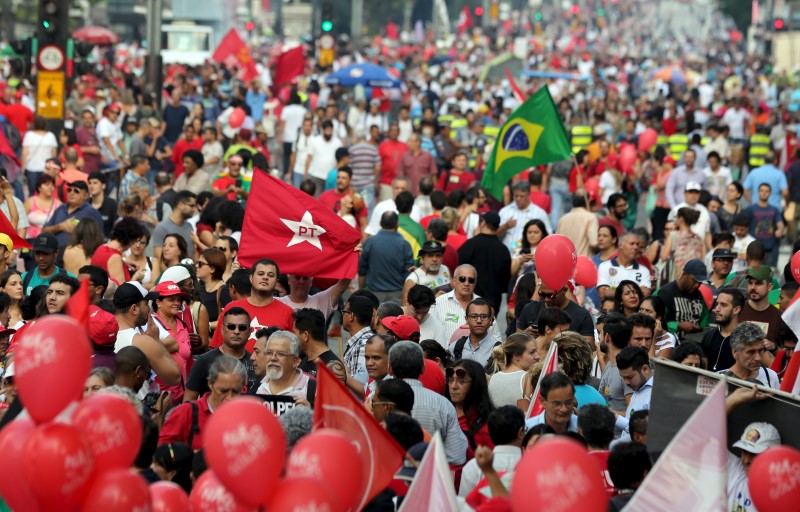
(328, 358)
(717, 350)
(108, 211)
(682, 307)
(492, 261)
(198, 377)
(581, 321)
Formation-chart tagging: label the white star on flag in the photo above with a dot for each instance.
(304, 231)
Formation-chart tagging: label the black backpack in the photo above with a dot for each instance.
(458, 350)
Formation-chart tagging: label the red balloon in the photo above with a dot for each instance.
(168, 497)
(795, 266)
(708, 295)
(773, 479)
(585, 272)
(236, 118)
(113, 428)
(51, 361)
(647, 139)
(117, 490)
(558, 475)
(555, 261)
(592, 185)
(59, 460)
(246, 448)
(209, 495)
(328, 454)
(13, 486)
(627, 158)
(299, 493)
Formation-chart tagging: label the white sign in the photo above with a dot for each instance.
(51, 58)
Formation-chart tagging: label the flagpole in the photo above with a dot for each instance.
(547, 362)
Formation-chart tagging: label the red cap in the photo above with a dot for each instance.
(670, 160)
(103, 327)
(168, 289)
(403, 326)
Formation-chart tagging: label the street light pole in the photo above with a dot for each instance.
(154, 8)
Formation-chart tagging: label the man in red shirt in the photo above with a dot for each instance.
(17, 114)
(458, 178)
(226, 379)
(331, 198)
(596, 425)
(539, 198)
(264, 310)
(190, 140)
(391, 151)
(230, 184)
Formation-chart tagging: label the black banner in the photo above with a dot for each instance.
(678, 390)
(278, 404)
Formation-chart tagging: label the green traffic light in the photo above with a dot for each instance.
(601, 12)
(538, 16)
(46, 24)
(327, 26)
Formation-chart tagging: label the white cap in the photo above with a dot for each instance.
(758, 438)
(176, 274)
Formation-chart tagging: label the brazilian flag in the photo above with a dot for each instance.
(533, 135)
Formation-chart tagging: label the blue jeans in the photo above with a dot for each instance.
(33, 178)
(560, 198)
(368, 194)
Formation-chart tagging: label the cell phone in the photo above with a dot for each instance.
(238, 183)
(526, 250)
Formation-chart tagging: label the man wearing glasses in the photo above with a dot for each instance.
(283, 377)
(580, 319)
(479, 344)
(231, 183)
(109, 133)
(451, 308)
(558, 399)
(235, 327)
(68, 215)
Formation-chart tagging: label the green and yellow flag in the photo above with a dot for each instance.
(533, 135)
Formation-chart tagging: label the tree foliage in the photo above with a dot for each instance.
(739, 10)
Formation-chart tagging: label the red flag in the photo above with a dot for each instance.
(432, 488)
(8, 229)
(289, 65)
(791, 317)
(692, 472)
(464, 20)
(6, 150)
(296, 231)
(392, 32)
(518, 94)
(78, 305)
(550, 366)
(232, 51)
(337, 408)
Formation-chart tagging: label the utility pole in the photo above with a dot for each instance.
(278, 26)
(356, 23)
(408, 8)
(154, 76)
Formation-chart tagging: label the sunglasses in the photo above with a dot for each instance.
(459, 374)
(238, 327)
(74, 190)
(223, 249)
(549, 295)
(201, 264)
(464, 279)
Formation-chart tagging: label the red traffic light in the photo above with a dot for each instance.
(479, 11)
(779, 24)
(574, 9)
(250, 26)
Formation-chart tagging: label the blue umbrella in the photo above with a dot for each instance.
(366, 74)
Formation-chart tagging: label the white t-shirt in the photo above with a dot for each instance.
(321, 301)
(608, 184)
(716, 183)
(323, 156)
(210, 151)
(735, 119)
(738, 491)
(40, 148)
(740, 248)
(513, 237)
(106, 128)
(292, 117)
(610, 273)
(432, 329)
(301, 147)
(440, 281)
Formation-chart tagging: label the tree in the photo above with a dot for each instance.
(738, 10)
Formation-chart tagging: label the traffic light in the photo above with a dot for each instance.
(80, 65)
(21, 65)
(53, 23)
(601, 12)
(327, 17)
(478, 16)
(538, 16)
(779, 24)
(250, 26)
(575, 9)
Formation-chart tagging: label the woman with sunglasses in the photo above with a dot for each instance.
(511, 384)
(628, 297)
(468, 390)
(173, 332)
(109, 255)
(210, 267)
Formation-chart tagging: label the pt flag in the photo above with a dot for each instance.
(692, 473)
(337, 408)
(550, 366)
(232, 51)
(533, 135)
(8, 229)
(289, 65)
(296, 231)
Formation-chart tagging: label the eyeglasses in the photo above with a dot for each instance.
(464, 279)
(384, 404)
(223, 249)
(459, 375)
(239, 327)
(479, 316)
(74, 190)
(279, 355)
(569, 404)
(345, 311)
(200, 264)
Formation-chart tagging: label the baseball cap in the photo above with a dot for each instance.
(431, 246)
(80, 184)
(176, 274)
(6, 241)
(759, 272)
(46, 243)
(693, 185)
(131, 293)
(403, 326)
(417, 452)
(696, 269)
(758, 437)
(169, 289)
(103, 327)
(492, 219)
(722, 253)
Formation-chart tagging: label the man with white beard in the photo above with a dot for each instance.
(280, 356)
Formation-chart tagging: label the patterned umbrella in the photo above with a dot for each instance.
(670, 74)
(99, 36)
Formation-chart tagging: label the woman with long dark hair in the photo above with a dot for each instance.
(628, 297)
(172, 462)
(468, 390)
(533, 233)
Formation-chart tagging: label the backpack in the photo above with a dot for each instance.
(13, 136)
(29, 277)
(195, 428)
(458, 350)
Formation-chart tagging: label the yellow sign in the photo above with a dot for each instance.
(50, 94)
(325, 57)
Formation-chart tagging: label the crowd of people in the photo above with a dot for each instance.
(447, 325)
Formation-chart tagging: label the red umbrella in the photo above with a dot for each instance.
(99, 36)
